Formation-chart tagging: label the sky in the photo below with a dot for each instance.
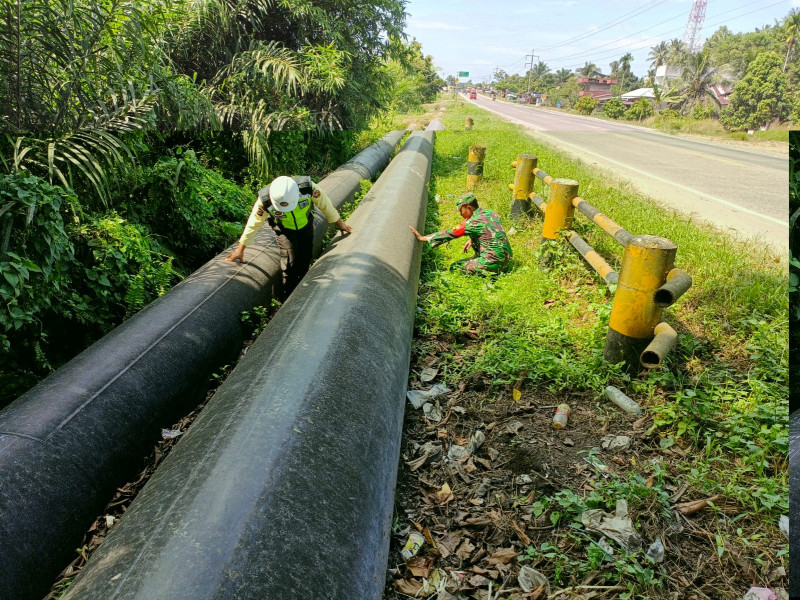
(479, 36)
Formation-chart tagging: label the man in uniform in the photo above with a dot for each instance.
(487, 238)
(287, 204)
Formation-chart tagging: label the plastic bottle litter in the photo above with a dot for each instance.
(621, 400)
(413, 544)
(561, 417)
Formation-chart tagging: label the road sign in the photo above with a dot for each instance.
(463, 73)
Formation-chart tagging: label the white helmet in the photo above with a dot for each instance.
(284, 194)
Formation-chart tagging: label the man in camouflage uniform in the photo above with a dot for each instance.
(487, 238)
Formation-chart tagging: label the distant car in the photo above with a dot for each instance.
(511, 97)
(473, 96)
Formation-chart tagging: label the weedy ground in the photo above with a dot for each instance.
(715, 424)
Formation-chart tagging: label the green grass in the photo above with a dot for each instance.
(722, 394)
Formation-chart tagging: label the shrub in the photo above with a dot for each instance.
(639, 109)
(614, 108)
(197, 211)
(586, 104)
(702, 111)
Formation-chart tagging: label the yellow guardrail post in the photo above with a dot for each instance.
(477, 154)
(523, 185)
(468, 124)
(560, 210)
(645, 264)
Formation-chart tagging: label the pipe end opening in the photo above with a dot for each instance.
(663, 298)
(650, 359)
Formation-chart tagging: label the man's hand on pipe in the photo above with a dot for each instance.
(420, 237)
(344, 227)
(237, 254)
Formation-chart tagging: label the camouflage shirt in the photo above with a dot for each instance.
(486, 232)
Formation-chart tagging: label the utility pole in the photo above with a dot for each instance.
(530, 71)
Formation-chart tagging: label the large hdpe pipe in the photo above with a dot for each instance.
(284, 485)
(67, 443)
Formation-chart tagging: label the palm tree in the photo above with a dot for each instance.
(588, 70)
(625, 67)
(698, 74)
(677, 52)
(658, 54)
(562, 76)
(792, 24)
(540, 69)
(664, 94)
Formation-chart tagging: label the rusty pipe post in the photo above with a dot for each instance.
(664, 341)
(645, 263)
(678, 282)
(468, 124)
(477, 155)
(559, 207)
(523, 185)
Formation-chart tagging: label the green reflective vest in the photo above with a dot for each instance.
(303, 212)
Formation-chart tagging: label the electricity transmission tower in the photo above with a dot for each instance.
(694, 25)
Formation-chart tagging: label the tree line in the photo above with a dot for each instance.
(761, 67)
(134, 133)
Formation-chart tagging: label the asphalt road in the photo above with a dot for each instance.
(742, 192)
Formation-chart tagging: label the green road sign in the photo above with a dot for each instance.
(463, 73)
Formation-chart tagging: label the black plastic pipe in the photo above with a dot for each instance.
(67, 443)
(284, 485)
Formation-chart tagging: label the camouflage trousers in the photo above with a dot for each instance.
(480, 265)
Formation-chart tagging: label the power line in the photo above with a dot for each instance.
(614, 22)
(680, 16)
(614, 51)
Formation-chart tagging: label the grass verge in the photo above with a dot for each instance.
(717, 410)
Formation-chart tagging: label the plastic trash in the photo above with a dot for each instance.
(618, 527)
(561, 417)
(170, 434)
(413, 544)
(432, 412)
(420, 397)
(783, 523)
(760, 593)
(529, 578)
(476, 441)
(457, 453)
(656, 551)
(612, 442)
(621, 400)
(603, 543)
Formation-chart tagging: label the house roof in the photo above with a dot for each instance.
(638, 93)
(721, 93)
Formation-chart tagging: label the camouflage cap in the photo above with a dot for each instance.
(465, 199)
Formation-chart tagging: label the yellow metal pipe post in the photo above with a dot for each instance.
(559, 207)
(645, 263)
(477, 154)
(523, 185)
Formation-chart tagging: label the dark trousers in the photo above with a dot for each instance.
(295, 247)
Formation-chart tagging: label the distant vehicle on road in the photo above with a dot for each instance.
(511, 97)
(473, 95)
